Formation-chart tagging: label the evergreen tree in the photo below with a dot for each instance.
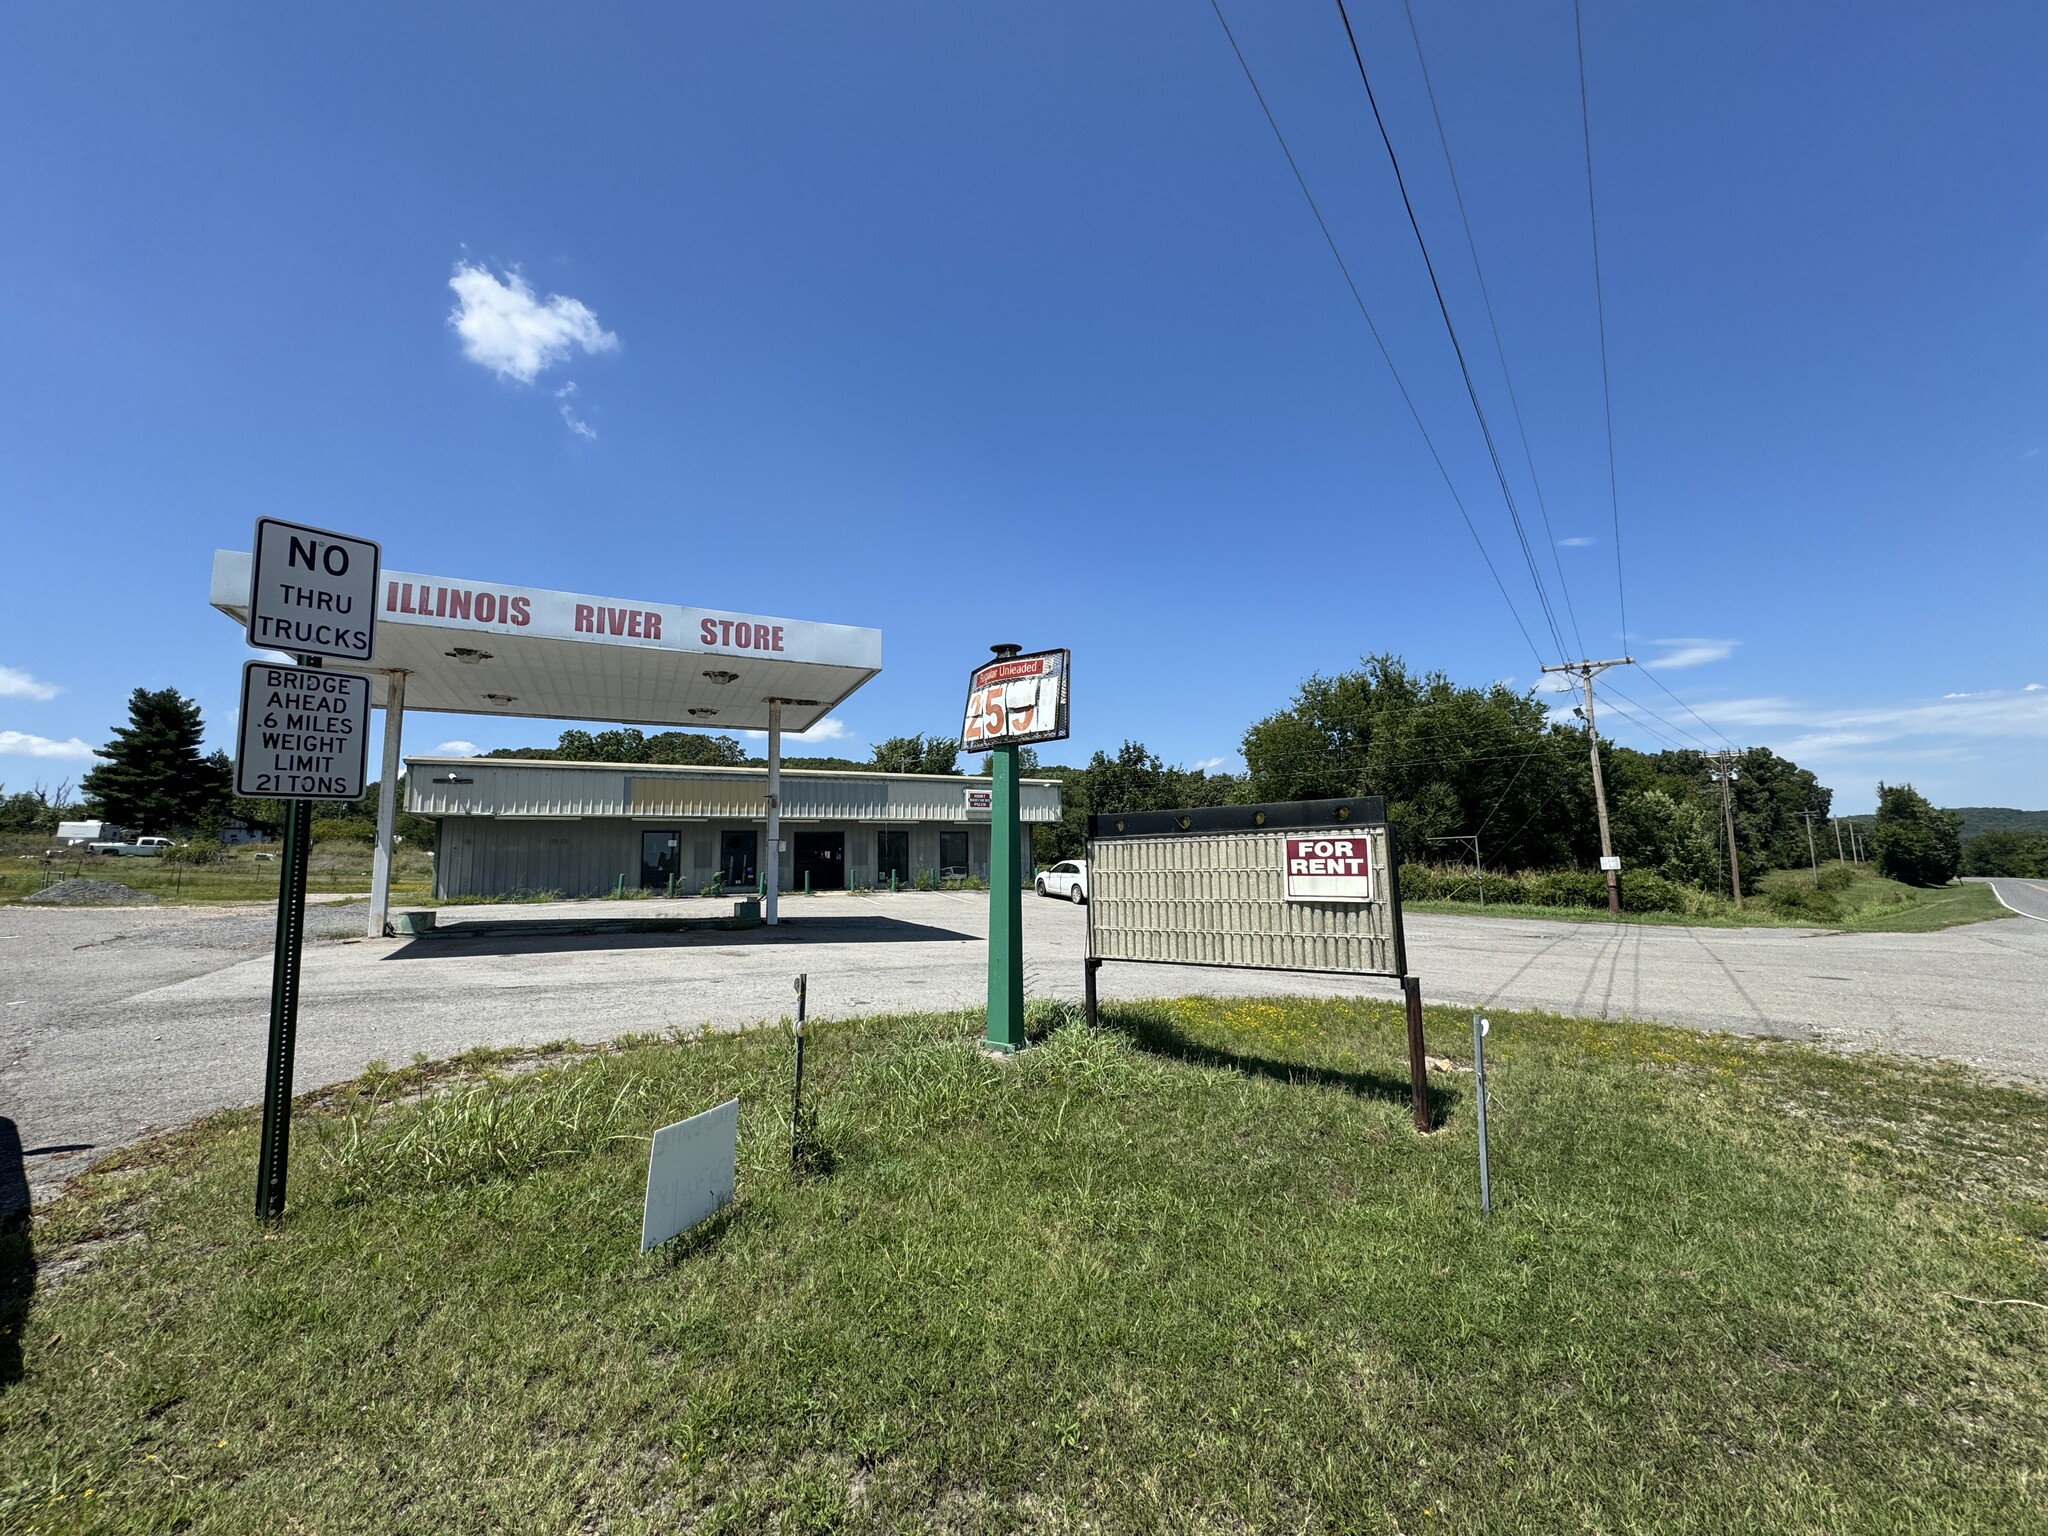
(1913, 841)
(153, 776)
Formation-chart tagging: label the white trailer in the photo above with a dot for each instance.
(70, 832)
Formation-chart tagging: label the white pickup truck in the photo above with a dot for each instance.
(142, 847)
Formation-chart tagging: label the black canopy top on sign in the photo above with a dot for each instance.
(1360, 810)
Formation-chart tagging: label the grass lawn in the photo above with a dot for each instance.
(1868, 903)
(1193, 1274)
(331, 867)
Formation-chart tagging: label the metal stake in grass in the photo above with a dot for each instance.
(1479, 1029)
(796, 1102)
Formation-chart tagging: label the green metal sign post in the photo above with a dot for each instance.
(1005, 906)
(1013, 700)
(273, 1156)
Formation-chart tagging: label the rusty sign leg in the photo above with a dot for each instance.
(1418, 1068)
(1088, 991)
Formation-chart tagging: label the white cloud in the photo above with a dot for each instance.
(1212, 765)
(828, 729)
(570, 419)
(16, 684)
(507, 330)
(457, 749)
(1577, 541)
(21, 744)
(1795, 727)
(1694, 653)
(2031, 688)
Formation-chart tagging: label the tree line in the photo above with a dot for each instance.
(1452, 763)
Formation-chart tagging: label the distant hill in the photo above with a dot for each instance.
(1999, 818)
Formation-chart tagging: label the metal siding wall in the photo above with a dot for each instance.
(1220, 900)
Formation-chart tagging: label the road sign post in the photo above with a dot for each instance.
(303, 736)
(1010, 701)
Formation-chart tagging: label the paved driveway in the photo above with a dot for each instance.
(114, 1022)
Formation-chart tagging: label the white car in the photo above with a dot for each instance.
(1068, 878)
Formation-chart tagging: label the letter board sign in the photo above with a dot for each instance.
(1329, 868)
(1016, 699)
(1297, 886)
(312, 592)
(304, 733)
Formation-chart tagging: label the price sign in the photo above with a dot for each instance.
(1016, 699)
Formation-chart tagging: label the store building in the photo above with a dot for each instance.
(510, 826)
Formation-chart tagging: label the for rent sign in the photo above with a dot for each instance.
(1328, 868)
(305, 733)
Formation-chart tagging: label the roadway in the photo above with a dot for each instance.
(121, 1022)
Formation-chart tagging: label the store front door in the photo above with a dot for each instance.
(661, 859)
(737, 852)
(820, 861)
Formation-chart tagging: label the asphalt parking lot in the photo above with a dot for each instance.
(121, 1021)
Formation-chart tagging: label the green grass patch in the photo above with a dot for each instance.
(1853, 898)
(240, 876)
(1195, 1273)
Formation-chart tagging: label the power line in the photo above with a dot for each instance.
(1499, 348)
(1600, 311)
(1683, 705)
(1379, 341)
(1668, 724)
(1451, 329)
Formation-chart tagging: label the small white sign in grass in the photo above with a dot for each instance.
(689, 1172)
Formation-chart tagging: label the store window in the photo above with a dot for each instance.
(953, 856)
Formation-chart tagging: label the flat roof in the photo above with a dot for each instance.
(490, 648)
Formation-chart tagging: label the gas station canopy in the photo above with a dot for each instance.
(486, 648)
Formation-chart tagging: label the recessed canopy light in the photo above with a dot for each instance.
(500, 698)
(468, 654)
(703, 711)
(723, 677)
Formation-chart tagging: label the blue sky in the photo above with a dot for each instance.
(1009, 323)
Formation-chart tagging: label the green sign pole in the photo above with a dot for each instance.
(1005, 906)
(273, 1157)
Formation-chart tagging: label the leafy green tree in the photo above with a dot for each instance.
(35, 810)
(625, 744)
(153, 776)
(1447, 760)
(2012, 855)
(917, 754)
(1913, 841)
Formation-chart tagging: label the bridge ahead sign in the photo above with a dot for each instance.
(312, 592)
(305, 733)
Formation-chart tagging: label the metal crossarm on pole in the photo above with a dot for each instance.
(1586, 671)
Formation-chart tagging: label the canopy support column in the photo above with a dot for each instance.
(387, 803)
(771, 856)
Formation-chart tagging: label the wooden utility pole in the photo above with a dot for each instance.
(1586, 671)
(1840, 857)
(1726, 777)
(1810, 852)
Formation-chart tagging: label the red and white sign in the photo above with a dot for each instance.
(1329, 867)
(1016, 699)
(980, 799)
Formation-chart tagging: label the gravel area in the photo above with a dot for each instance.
(91, 893)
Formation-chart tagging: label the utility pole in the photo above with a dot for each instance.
(1726, 776)
(1586, 671)
(1473, 839)
(1810, 850)
(1840, 857)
